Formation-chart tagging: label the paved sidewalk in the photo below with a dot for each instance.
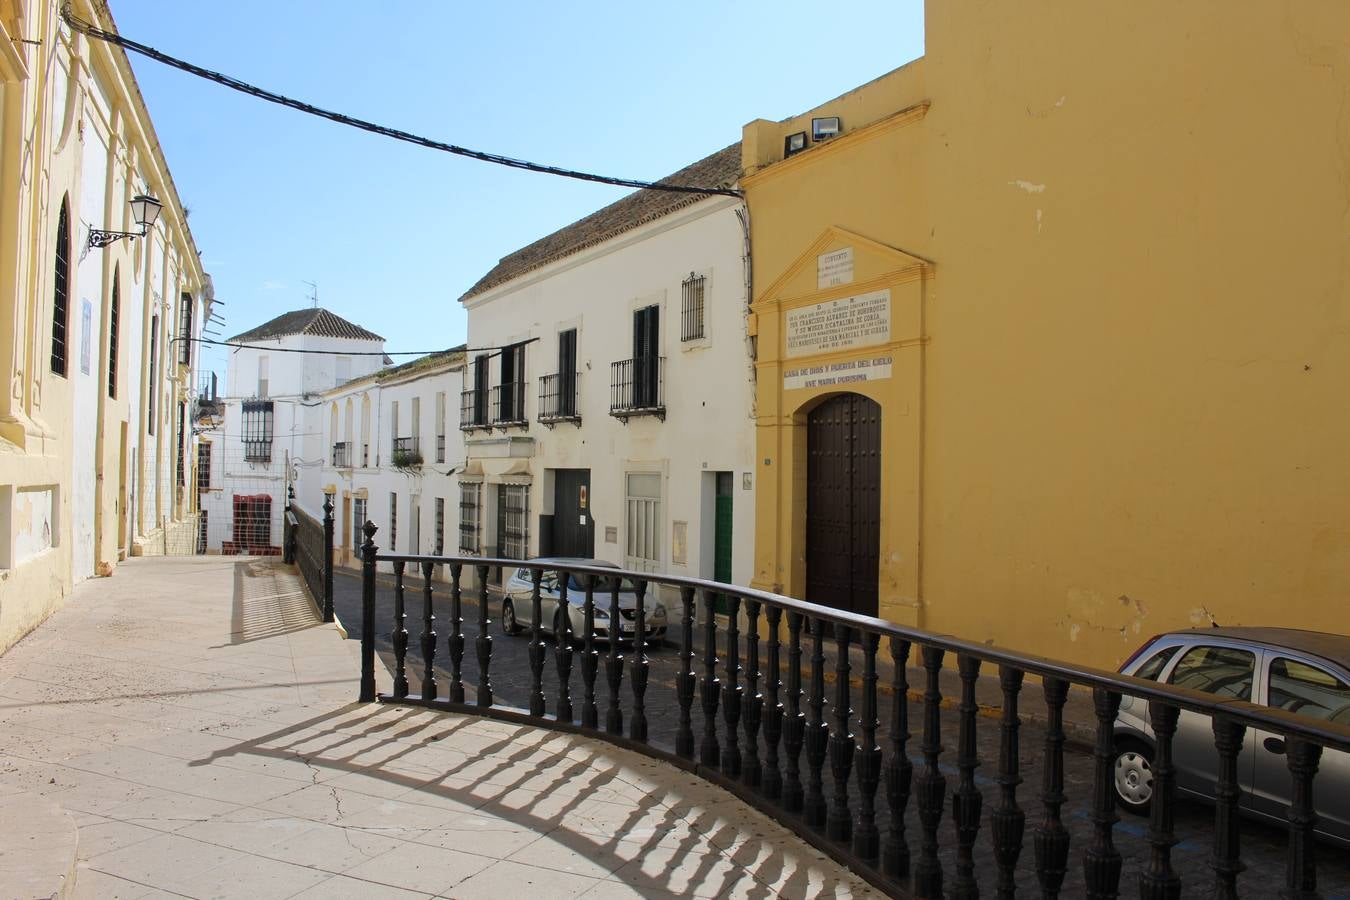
(195, 719)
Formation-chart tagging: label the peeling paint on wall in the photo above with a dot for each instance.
(1029, 186)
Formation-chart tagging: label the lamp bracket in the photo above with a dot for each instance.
(99, 238)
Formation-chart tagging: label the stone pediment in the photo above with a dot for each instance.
(839, 260)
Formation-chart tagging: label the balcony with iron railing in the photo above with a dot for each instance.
(407, 453)
(508, 405)
(342, 455)
(637, 387)
(473, 409)
(558, 398)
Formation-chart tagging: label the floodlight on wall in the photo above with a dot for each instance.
(794, 143)
(825, 128)
(144, 212)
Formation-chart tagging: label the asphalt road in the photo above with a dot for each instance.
(1263, 846)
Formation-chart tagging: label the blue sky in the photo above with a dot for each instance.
(392, 233)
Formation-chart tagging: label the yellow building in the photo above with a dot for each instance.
(1054, 333)
(96, 446)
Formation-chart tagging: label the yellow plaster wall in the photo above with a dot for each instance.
(1134, 381)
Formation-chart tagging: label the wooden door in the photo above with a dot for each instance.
(843, 503)
(573, 527)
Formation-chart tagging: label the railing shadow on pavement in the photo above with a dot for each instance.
(776, 747)
(262, 608)
(537, 785)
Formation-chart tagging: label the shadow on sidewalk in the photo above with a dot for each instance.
(540, 785)
(265, 606)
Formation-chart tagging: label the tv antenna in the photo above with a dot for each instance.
(313, 297)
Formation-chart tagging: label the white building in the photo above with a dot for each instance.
(612, 414)
(394, 449)
(271, 433)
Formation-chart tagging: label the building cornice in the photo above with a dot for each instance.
(906, 116)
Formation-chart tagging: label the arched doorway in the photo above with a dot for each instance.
(843, 503)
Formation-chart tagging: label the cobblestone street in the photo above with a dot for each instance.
(1263, 846)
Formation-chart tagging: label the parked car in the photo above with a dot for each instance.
(1303, 672)
(517, 604)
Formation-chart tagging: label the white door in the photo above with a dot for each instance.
(642, 521)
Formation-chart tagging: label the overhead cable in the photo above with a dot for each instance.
(92, 31)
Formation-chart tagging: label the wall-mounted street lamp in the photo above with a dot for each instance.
(144, 211)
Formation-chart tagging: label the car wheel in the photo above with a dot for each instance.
(509, 623)
(1133, 771)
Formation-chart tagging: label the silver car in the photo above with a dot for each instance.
(1303, 672)
(517, 605)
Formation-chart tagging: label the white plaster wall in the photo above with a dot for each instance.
(709, 424)
(83, 355)
(379, 479)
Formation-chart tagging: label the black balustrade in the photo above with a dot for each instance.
(400, 635)
(838, 820)
(841, 708)
(1051, 839)
(967, 800)
(614, 663)
(563, 636)
(930, 784)
(428, 634)
(537, 702)
(731, 693)
(899, 770)
(752, 773)
(637, 725)
(685, 678)
(309, 544)
(1008, 822)
(817, 732)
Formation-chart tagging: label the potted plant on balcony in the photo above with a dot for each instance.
(406, 458)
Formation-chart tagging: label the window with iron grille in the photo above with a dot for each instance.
(204, 466)
(114, 318)
(154, 376)
(257, 430)
(470, 515)
(358, 522)
(185, 330)
(692, 307)
(440, 429)
(182, 444)
(393, 522)
(513, 521)
(61, 292)
(440, 527)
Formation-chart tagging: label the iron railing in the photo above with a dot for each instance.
(558, 398)
(508, 404)
(405, 453)
(849, 795)
(473, 409)
(342, 455)
(637, 387)
(309, 544)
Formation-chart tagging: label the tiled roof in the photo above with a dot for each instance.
(313, 321)
(430, 361)
(719, 170)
